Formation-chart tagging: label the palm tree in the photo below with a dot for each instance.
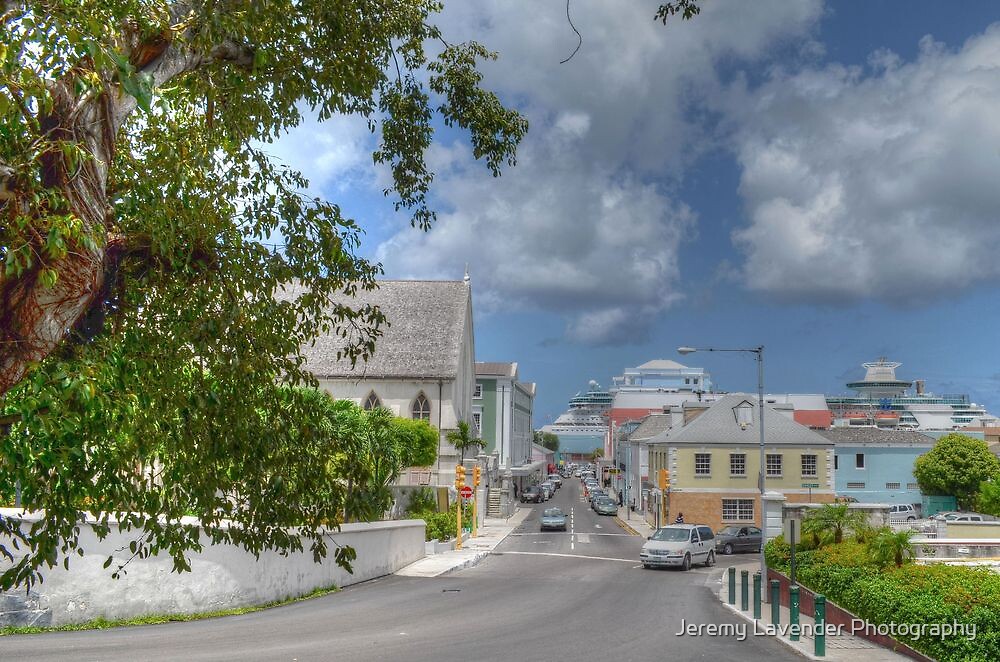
(597, 454)
(462, 439)
(833, 518)
(890, 546)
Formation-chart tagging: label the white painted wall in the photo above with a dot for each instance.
(222, 576)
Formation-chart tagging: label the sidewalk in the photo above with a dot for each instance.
(474, 550)
(843, 647)
(633, 522)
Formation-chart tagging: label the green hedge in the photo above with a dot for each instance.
(910, 594)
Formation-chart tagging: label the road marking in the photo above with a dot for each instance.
(583, 537)
(570, 556)
(572, 529)
(597, 526)
(569, 533)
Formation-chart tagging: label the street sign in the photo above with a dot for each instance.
(810, 484)
(466, 491)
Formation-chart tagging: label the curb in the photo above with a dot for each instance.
(468, 563)
(788, 644)
(625, 526)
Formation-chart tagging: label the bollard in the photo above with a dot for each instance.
(732, 585)
(775, 602)
(793, 613)
(756, 595)
(744, 590)
(819, 618)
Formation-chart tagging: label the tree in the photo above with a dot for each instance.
(463, 440)
(549, 440)
(832, 519)
(890, 546)
(139, 319)
(957, 465)
(596, 454)
(418, 440)
(988, 501)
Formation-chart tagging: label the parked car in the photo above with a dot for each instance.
(553, 518)
(595, 494)
(731, 539)
(679, 545)
(606, 506)
(576, 473)
(556, 480)
(903, 511)
(548, 489)
(533, 494)
(958, 516)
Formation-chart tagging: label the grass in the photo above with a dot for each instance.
(155, 619)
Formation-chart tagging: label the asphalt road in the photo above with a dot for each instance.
(579, 595)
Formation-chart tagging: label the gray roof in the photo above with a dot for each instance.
(422, 340)
(866, 435)
(651, 426)
(496, 369)
(717, 425)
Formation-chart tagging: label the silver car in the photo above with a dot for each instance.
(679, 545)
(553, 518)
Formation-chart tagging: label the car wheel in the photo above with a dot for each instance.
(645, 566)
(911, 518)
(710, 559)
(727, 549)
(687, 562)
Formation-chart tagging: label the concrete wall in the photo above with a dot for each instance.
(222, 576)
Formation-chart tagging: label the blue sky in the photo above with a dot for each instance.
(820, 178)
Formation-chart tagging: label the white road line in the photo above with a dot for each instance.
(572, 528)
(571, 556)
(567, 533)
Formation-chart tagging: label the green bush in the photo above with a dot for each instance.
(440, 526)
(915, 594)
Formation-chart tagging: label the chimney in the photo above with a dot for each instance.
(920, 386)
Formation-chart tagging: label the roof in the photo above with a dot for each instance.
(662, 364)
(651, 426)
(423, 338)
(717, 425)
(856, 435)
(497, 369)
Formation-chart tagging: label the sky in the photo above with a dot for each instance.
(821, 178)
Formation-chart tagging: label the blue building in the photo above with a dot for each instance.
(875, 465)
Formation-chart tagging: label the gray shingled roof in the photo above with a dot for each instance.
(718, 425)
(651, 426)
(422, 340)
(498, 369)
(854, 435)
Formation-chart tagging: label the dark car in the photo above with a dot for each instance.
(737, 539)
(533, 494)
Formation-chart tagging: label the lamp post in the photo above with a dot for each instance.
(759, 353)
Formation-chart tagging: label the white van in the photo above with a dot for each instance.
(679, 545)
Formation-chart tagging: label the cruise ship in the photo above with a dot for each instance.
(882, 400)
(582, 427)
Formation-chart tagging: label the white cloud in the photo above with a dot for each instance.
(586, 225)
(877, 182)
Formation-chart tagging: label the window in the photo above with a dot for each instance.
(477, 393)
(421, 409)
(737, 464)
(859, 460)
(705, 533)
(478, 418)
(702, 464)
(855, 486)
(912, 486)
(687, 380)
(773, 464)
(809, 466)
(373, 402)
(836, 462)
(739, 510)
(892, 486)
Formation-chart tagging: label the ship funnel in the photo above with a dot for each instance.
(920, 386)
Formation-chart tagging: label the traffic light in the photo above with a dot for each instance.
(476, 471)
(459, 476)
(664, 479)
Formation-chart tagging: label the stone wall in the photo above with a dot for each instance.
(222, 576)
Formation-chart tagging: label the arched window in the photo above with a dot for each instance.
(421, 409)
(373, 402)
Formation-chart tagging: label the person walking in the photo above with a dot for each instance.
(679, 519)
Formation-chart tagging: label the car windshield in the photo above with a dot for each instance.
(552, 512)
(729, 531)
(670, 534)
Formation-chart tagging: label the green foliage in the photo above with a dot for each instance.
(463, 440)
(596, 454)
(441, 526)
(956, 466)
(830, 521)
(421, 501)
(891, 547)
(549, 440)
(687, 9)
(848, 575)
(170, 395)
(988, 500)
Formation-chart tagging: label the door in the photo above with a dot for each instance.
(698, 551)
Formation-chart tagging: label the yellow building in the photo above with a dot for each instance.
(713, 459)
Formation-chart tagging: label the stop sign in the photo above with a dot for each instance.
(466, 492)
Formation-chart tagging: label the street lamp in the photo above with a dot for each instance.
(759, 353)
